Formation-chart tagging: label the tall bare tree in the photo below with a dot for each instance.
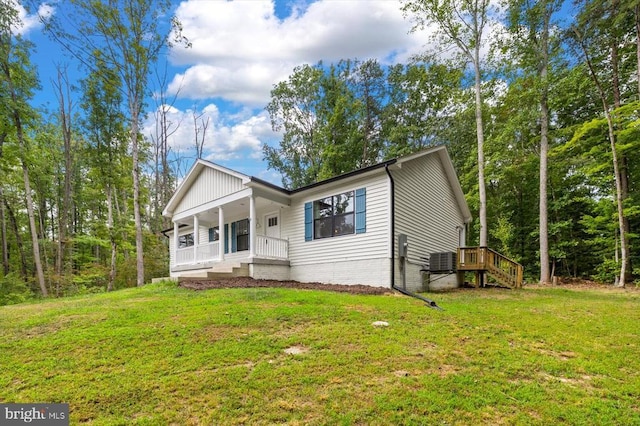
(581, 41)
(200, 131)
(462, 24)
(164, 177)
(529, 43)
(65, 106)
(18, 80)
(127, 36)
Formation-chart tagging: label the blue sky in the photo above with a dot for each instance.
(240, 49)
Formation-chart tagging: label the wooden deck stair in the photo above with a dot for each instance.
(505, 271)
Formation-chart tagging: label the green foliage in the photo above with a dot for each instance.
(338, 118)
(14, 290)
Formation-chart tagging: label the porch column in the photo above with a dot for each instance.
(176, 242)
(196, 237)
(221, 236)
(252, 226)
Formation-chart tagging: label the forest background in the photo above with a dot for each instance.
(528, 101)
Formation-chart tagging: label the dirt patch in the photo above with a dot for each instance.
(246, 282)
(584, 284)
(296, 350)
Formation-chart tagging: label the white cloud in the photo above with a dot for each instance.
(240, 49)
(32, 22)
(227, 136)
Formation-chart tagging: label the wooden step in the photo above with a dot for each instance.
(504, 270)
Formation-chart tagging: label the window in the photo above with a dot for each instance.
(273, 221)
(333, 216)
(242, 235)
(214, 234)
(185, 240)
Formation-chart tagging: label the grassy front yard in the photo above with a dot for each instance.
(164, 355)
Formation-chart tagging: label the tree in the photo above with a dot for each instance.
(529, 25)
(460, 23)
(292, 110)
(164, 177)
(370, 89)
(18, 80)
(63, 93)
(127, 36)
(106, 135)
(419, 106)
(339, 116)
(594, 31)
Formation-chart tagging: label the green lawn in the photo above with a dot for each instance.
(165, 355)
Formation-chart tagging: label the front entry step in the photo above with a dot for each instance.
(220, 272)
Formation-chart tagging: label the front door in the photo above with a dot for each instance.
(272, 222)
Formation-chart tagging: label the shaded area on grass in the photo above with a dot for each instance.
(247, 282)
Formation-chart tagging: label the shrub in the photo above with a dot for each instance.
(13, 290)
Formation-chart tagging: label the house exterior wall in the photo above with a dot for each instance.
(428, 213)
(426, 210)
(210, 184)
(347, 259)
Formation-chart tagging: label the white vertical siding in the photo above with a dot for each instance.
(426, 210)
(210, 185)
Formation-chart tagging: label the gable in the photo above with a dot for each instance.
(205, 182)
(210, 185)
(433, 172)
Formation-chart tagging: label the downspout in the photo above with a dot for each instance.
(430, 303)
(393, 225)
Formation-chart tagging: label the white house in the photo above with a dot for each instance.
(343, 230)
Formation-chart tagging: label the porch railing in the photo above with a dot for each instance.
(267, 247)
(209, 251)
(184, 255)
(270, 247)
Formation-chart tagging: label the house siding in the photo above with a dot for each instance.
(210, 185)
(428, 213)
(347, 259)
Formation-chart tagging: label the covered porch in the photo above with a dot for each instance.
(240, 228)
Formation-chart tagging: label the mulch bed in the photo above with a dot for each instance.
(246, 282)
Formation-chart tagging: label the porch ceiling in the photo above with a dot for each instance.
(234, 209)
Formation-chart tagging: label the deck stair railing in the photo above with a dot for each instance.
(505, 271)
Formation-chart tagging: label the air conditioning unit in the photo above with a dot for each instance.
(443, 262)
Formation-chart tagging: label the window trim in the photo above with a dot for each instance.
(352, 214)
(183, 240)
(242, 236)
(213, 234)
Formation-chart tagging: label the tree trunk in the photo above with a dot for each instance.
(29, 199)
(34, 230)
(616, 171)
(637, 21)
(63, 221)
(3, 236)
(544, 148)
(3, 223)
(19, 242)
(480, 136)
(622, 161)
(136, 194)
(114, 247)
